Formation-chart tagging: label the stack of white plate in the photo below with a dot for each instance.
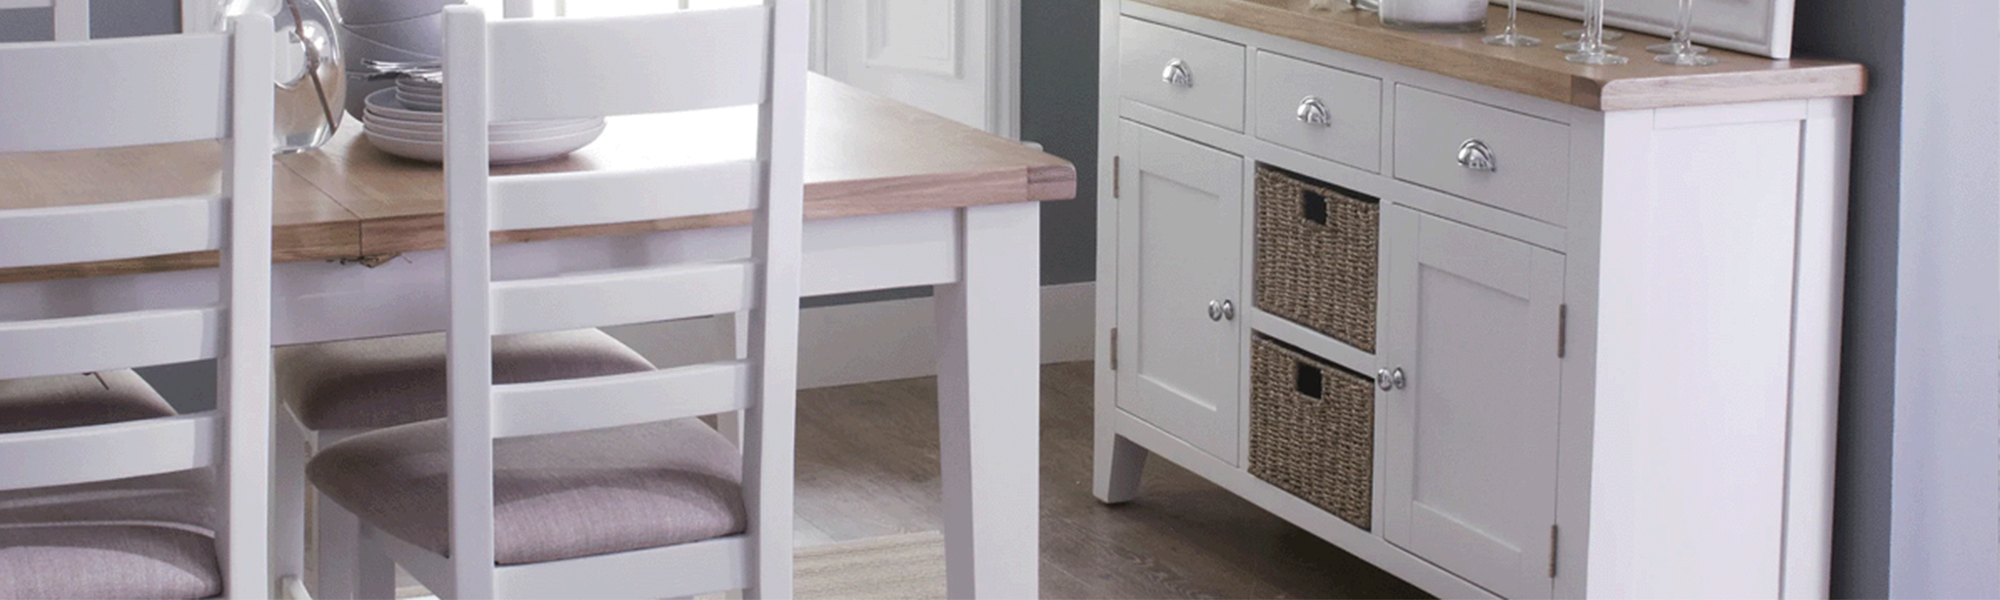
(405, 121)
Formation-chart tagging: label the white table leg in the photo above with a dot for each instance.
(989, 404)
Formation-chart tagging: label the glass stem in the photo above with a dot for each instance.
(1512, 6)
(1683, 32)
(1593, 27)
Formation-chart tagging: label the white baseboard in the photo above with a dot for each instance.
(872, 341)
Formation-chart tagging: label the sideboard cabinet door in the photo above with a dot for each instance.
(1470, 433)
(1180, 228)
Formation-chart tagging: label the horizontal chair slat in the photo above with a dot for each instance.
(106, 452)
(96, 232)
(586, 198)
(614, 400)
(601, 299)
(718, 564)
(133, 91)
(110, 341)
(549, 61)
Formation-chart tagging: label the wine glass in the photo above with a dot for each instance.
(1512, 36)
(1681, 49)
(1602, 35)
(1591, 49)
(1611, 35)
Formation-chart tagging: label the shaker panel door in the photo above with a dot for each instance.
(1180, 230)
(1471, 435)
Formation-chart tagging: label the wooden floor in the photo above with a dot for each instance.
(868, 467)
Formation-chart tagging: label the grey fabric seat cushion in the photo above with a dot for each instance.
(106, 561)
(383, 382)
(556, 496)
(143, 537)
(39, 403)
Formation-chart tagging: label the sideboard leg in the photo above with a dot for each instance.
(1118, 463)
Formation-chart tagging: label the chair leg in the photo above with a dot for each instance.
(374, 573)
(288, 505)
(338, 543)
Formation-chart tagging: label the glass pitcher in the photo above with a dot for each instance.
(309, 78)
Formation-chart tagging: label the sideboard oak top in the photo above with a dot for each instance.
(1539, 71)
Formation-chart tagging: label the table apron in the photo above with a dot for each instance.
(320, 301)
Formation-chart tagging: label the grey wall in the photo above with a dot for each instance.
(1917, 499)
(1869, 32)
(1059, 110)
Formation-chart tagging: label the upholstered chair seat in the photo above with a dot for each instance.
(383, 382)
(555, 496)
(143, 537)
(58, 401)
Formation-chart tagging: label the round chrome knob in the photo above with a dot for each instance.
(1382, 380)
(1396, 378)
(1215, 310)
(1313, 112)
(1474, 155)
(1228, 310)
(1177, 74)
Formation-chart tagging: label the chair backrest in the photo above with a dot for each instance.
(81, 95)
(72, 17)
(523, 69)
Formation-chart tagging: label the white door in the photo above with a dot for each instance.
(1180, 216)
(1470, 438)
(957, 58)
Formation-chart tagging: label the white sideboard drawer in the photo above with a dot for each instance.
(1526, 170)
(1206, 73)
(1291, 92)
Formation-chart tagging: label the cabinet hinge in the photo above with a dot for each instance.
(1117, 173)
(1114, 348)
(1552, 551)
(1562, 330)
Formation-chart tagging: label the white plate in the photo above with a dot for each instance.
(430, 132)
(498, 153)
(408, 94)
(506, 130)
(412, 134)
(420, 105)
(384, 101)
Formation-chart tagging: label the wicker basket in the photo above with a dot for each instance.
(1312, 429)
(1316, 255)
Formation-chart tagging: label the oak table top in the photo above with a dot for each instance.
(1539, 71)
(864, 155)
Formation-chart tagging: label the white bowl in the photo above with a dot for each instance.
(368, 12)
(423, 34)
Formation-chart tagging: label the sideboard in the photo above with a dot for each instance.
(1498, 324)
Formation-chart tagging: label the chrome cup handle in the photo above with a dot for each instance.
(1177, 74)
(1474, 155)
(1313, 112)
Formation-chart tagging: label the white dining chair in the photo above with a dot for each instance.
(104, 492)
(603, 486)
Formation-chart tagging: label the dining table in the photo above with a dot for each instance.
(895, 198)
